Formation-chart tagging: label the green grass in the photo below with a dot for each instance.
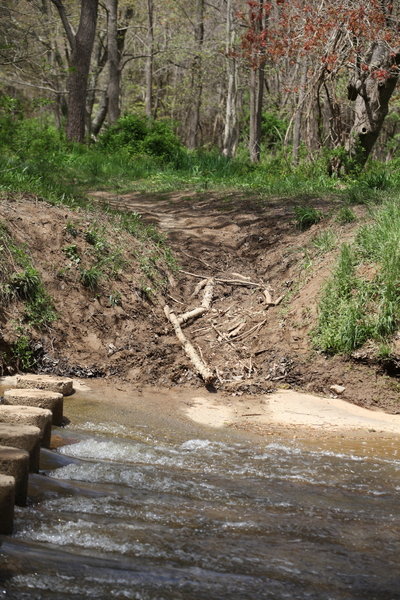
(361, 301)
(19, 280)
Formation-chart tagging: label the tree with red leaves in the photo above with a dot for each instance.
(356, 40)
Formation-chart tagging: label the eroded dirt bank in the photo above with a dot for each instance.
(268, 276)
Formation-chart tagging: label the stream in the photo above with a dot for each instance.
(128, 511)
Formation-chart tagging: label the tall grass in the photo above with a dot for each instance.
(361, 301)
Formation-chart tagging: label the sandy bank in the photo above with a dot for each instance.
(291, 408)
(285, 412)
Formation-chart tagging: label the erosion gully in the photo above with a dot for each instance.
(139, 508)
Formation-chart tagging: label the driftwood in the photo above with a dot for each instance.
(205, 304)
(199, 287)
(202, 369)
(269, 301)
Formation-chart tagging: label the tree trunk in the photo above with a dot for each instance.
(256, 94)
(114, 74)
(101, 114)
(79, 71)
(197, 75)
(256, 102)
(149, 59)
(298, 115)
(231, 130)
(371, 93)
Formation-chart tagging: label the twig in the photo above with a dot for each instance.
(250, 331)
(232, 334)
(196, 258)
(222, 336)
(174, 299)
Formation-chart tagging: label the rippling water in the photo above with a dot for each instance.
(123, 514)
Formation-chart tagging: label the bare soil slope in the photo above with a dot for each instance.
(268, 276)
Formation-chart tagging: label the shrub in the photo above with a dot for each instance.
(127, 132)
(138, 135)
(273, 129)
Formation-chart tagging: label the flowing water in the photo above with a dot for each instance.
(127, 512)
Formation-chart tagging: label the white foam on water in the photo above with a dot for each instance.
(122, 452)
(199, 445)
(84, 534)
(61, 584)
(239, 525)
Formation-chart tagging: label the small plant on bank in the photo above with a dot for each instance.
(90, 277)
(23, 354)
(115, 299)
(71, 229)
(25, 283)
(345, 215)
(306, 216)
(325, 241)
(71, 252)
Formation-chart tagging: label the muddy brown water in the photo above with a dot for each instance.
(143, 505)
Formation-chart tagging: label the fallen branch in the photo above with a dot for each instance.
(250, 331)
(199, 287)
(269, 301)
(205, 304)
(205, 373)
(227, 281)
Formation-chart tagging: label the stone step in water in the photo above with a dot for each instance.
(29, 415)
(7, 498)
(62, 385)
(24, 437)
(15, 463)
(40, 398)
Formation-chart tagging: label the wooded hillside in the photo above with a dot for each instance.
(305, 76)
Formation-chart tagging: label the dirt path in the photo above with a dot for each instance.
(253, 345)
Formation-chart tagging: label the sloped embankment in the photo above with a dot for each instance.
(103, 282)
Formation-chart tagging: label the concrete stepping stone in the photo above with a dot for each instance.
(29, 415)
(40, 398)
(15, 462)
(62, 385)
(24, 437)
(7, 498)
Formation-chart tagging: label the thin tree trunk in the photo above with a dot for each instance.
(231, 130)
(197, 77)
(149, 59)
(114, 74)
(101, 114)
(256, 103)
(256, 95)
(298, 114)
